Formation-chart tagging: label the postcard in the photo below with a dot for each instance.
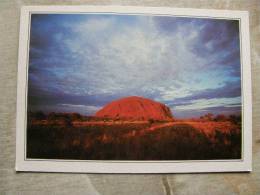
(115, 89)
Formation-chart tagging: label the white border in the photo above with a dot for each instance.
(245, 164)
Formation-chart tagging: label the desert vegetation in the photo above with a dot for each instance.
(73, 136)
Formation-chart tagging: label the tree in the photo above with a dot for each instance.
(236, 119)
(207, 117)
(52, 116)
(66, 122)
(220, 117)
(76, 116)
(39, 115)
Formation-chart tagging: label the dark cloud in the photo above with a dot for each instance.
(220, 40)
(221, 34)
(232, 59)
(217, 39)
(229, 90)
(40, 97)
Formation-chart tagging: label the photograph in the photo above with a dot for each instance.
(133, 87)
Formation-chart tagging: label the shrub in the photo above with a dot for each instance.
(220, 117)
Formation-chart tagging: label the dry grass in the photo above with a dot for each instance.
(133, 140)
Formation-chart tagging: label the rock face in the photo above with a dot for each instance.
(135, 108)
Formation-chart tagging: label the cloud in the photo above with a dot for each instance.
(121, 56)
(229, 90)
(92, 59)
(89, 109)
(82, 109)
(201, 104)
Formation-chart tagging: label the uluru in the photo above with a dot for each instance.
(135, 108)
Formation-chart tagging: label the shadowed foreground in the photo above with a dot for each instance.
(134, 141)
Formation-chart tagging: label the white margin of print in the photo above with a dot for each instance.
(102, 166)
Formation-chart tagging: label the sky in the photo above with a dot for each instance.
(81, 62)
